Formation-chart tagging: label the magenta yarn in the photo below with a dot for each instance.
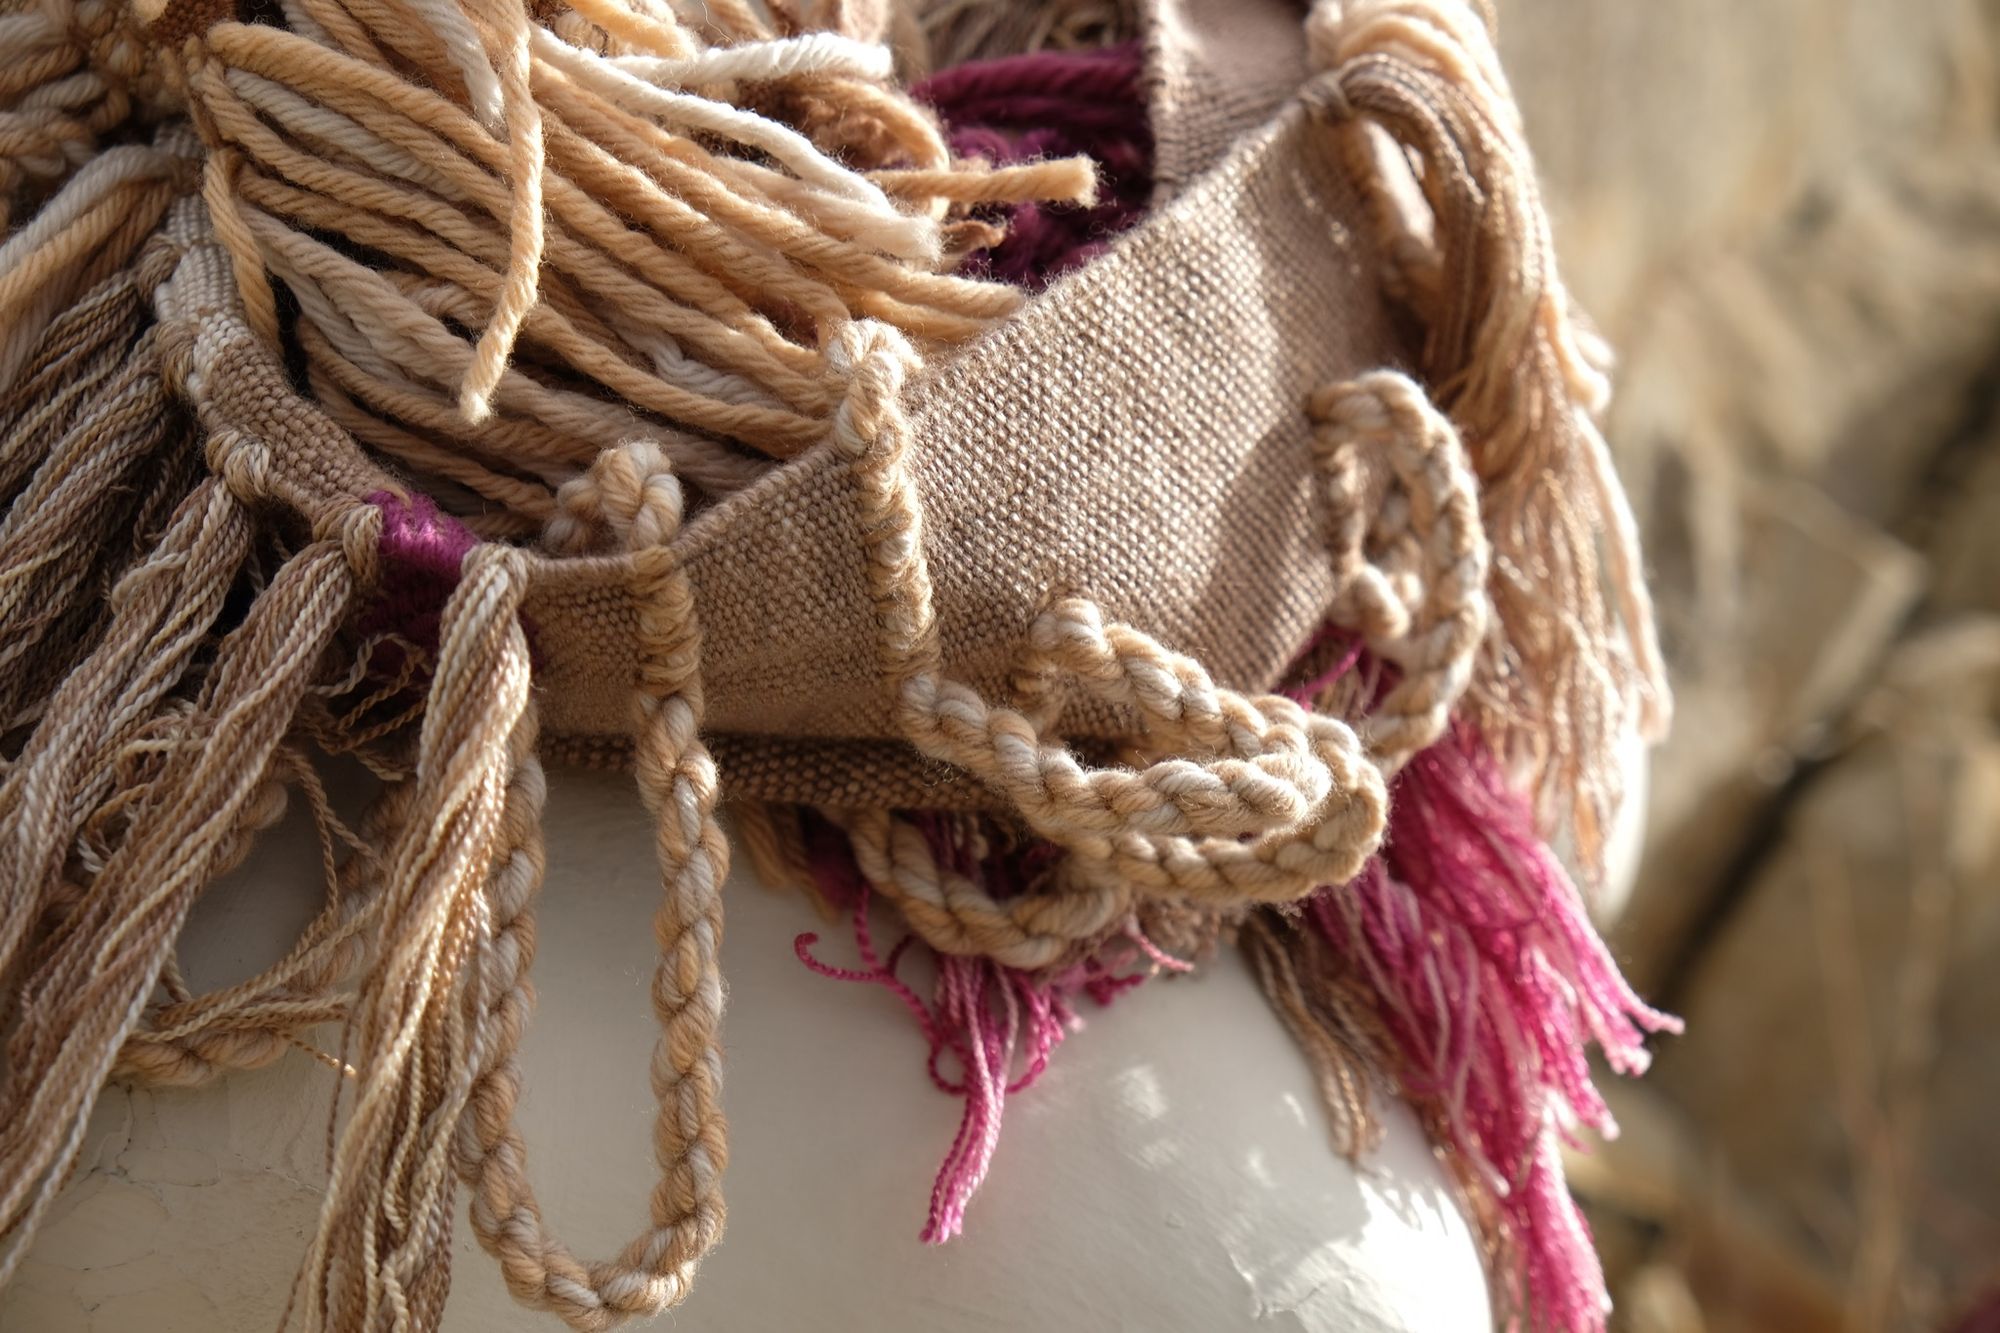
(1493, 983)
(421, 550)
(1052, 104)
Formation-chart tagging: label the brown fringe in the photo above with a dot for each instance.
(98, 496)
(1575, 663)
(85, 988)
(382, 1252)
(1330, 1014)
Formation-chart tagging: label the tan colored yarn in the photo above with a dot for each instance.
(1520, 374)
(738, 270)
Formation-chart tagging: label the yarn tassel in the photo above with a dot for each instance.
(1486, 983)
(129, 454)
(1513, 363)
(990, 1018)
(381, 1256)
(85, 988)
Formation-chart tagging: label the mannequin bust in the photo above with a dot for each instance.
(1171, 1171)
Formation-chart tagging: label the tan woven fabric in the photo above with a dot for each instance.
(1236, 277)
(1216, 70)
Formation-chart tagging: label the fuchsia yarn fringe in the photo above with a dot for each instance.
(1491, 981)
(990, 1017)
(1052, 104)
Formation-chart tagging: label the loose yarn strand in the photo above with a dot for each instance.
(526, 227)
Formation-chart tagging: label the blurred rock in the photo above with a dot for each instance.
(1769, 663)
(1848, 1063)
(1786, 216)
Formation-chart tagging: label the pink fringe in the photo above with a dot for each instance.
(991, 1018)
(1491, 980)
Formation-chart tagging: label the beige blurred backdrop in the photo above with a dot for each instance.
(1786, 216)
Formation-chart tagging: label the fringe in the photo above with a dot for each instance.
(991, 1018)
(108, 476)
(1463, 960)
(382, 1252)
(85, 988)
(1576, 664)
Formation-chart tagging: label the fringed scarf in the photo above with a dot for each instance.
(364, 364)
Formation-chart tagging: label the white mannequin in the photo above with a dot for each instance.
(1172, 1171)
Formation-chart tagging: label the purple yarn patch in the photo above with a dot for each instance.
(1052, 104)
(422, 549)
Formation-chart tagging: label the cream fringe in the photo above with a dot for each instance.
(1576, 664)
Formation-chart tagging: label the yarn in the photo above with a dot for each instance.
(1476, 958)
(990, 1017)
(1051, 105)
(474, 308)
(1525, 382)
(725, 274)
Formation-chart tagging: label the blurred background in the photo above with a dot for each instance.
(1786, 216)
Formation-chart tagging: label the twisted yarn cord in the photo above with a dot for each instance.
(1323, 837)
(1388, 415)
(629, 500)
(382, 1249)
(954, 915)
(1522, 378)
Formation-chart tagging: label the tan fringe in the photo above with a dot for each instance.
(1329, 1015)
(382, 1252)
(193, 1039)
(1515, 366)
(84, 991)
(87, 232)
(71, 530)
